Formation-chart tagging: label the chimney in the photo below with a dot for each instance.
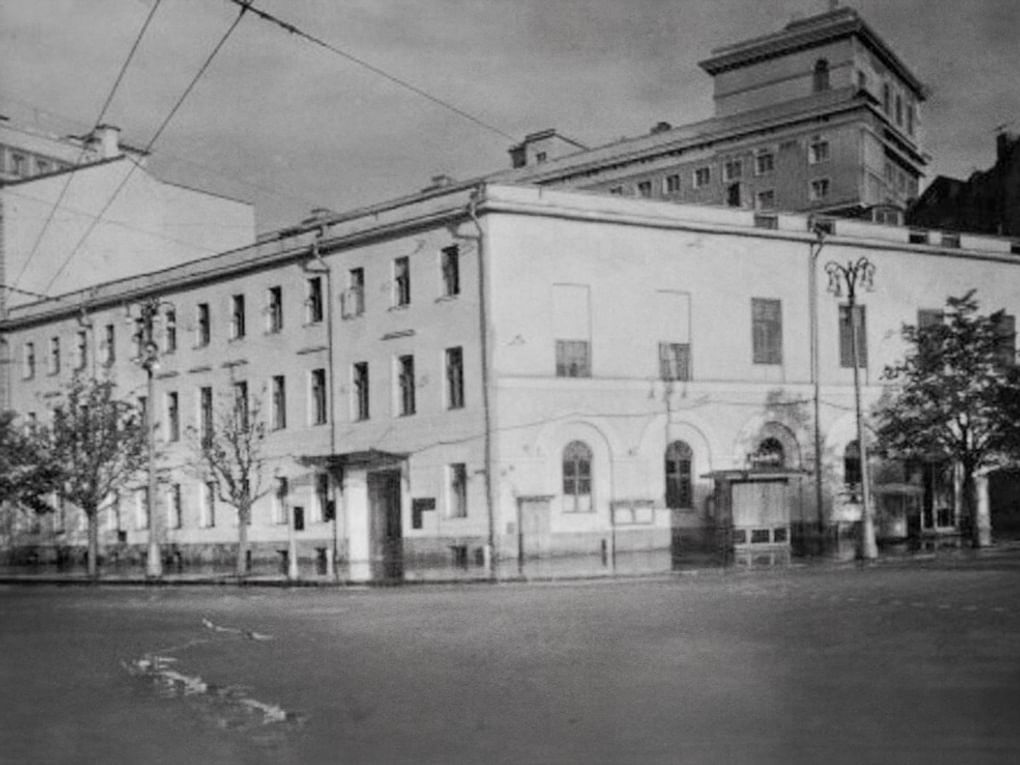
(105, 141)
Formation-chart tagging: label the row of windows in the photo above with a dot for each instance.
(23, 164)
(353, 297)
(577, 477)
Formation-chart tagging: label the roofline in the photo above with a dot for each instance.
(70, 169)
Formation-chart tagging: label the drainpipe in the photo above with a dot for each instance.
(816, 249)
(331, 569)
(483, 332)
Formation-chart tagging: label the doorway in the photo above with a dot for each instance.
(387, 543)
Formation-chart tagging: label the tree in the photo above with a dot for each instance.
(229, 453)
(98, 443)
(27, 474)
(949, 398)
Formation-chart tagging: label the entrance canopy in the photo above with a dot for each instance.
(337, 463)
(750, 475)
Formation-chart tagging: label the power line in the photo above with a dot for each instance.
(81, 155)
(288, 27)
(155, 137)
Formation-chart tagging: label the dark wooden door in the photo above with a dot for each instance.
(387, 531)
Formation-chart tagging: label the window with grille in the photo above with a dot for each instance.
(767, 331)
(678, 476)
(577, 477)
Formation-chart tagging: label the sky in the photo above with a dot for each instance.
(289, 126)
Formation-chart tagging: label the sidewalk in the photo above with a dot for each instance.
(650, 565)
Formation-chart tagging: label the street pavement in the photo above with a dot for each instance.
(871, 664)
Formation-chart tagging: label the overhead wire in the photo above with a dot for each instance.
(84, 148)
(159, 131)
(294, 30)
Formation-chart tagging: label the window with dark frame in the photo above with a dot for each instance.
(678, 476)
(28, 370)
(573, 358)
(361, 399)
(274, 309)
(405, 381)
(110, 344)
(450, 266)
(673, 183)
(846, 353)
(319, 397)
(401, 282)
(458, 490)
(81, 352)
(202, 326)
(237, 328)
(644, 188)
(354, 295)
(577, 477)
(241, 402)
(454, 378)
(54, 355)
(173, 417)
(279, 402)
(702, 177)
(322, 496)
(820, 76)
(764, 162)
(767, 331)
(170, 331)
(205, 414)
(313, 303)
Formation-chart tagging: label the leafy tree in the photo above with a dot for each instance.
(230, 454)
(98, 443)
(27, 474)
(949, 398)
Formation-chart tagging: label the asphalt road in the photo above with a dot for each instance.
(892, 664)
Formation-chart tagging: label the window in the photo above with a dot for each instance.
(109, 344)
(911, 109)
(274, 309)
(674, 361)
(819, 189)
(170, 331)
(702, 177)
(820, 79)
(678, 476)
(142, 508)
(173, 418)
(852, 464)
(19, 166)
(174, 519)
(236, 317)
(572, 358)
(280, 500)
(405, 382)
(207, 518)
(862, 80)
(950, 240)
(846, 352)
(818, 150)
(241, 403)
(449, 262)
(769, 221)
(202, 327)
(644, 188)
(81, 349)
(279, 413)
(732, 170)
(577, 460)
(322, 512)
(1006, 345)
(313, 303)
(733, 195)
(767, 330)
(318, 397)
(401, 282)
(616, 191)
(886, 97)
(360, 383)
(899, 109)
(764, 162)
(54, 355)
(354, 295)
(672, 184)
(457, 499)
(541, 156)
(769, 454)
(765, 200)
(28, 361)
(42, 166)
(205, 414)
(454, 378)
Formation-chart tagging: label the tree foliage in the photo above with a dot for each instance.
(230, 455)
(27, 472)
(98, 444)
(948, 399)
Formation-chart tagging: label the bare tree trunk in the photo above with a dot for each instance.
(242, 542)
(93, 562)
(969, 492)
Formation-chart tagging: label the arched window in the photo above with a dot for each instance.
(769, 454)
(821, 77)
(678, 476)
(852, 464)
(577, 478)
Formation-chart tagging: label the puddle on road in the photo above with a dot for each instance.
(224, 707)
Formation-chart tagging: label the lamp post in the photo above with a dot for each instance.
(148, 359)
(854, 274)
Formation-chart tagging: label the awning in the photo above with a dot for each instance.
(364, 458)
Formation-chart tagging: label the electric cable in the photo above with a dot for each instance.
(81, 155)
(134, 165)
(292, 29)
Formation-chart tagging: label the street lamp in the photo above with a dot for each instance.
(854, 274)
(148, 359)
